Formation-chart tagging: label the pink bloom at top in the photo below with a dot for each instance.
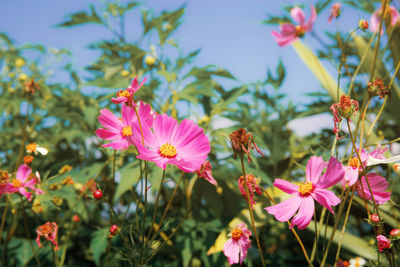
(335, 12)
(235, 248)
(377, 15)
(378, 185)
(305, 194)
(289, 33)
(126, 96)
(383, 243)
(24, 179)
(117, 129)
(205, 172)
(49, 231)
(184, 145)
(252, 185)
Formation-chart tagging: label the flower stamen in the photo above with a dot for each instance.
(236, 234)
(306, 188)
(167, 151)
(127, 131)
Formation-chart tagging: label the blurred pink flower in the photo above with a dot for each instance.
(305, 194)
(24, 179)
(377, 15)
(289, 33)
(205, 172)
(383, 243)
(118, 130)
(378, 185)
(184, 145)
(335, 12)
(235, 248)
(49, 231)
(252, 185)
(126, 96)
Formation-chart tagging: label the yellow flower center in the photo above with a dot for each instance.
(45, 229)
(236, 234)
(306, 188)
(127, 131)
(300, 31)
(167, 151)
(16, 183)
(354, 163)
(31, 147)
(123, 93)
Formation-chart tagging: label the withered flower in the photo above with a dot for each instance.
(243, 142)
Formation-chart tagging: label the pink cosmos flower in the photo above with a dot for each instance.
(377, 15)
(289, 33)
(235, 248)
(205, 172)
(126, 96)
(354, 167)
(335, 12)
(117, 129)
(383, 243)
(378, 185)
(252, 185)
(49, 231)
(24, 179)
(305, 194)
(184, 145)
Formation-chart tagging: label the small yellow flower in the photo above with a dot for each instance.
(64, 169)
(36, 207)
(19, 62)
(205, 119)
(23, 77)
(68, 181)
(55, 187)
(57, 201)
(124, 73)
(149, 60)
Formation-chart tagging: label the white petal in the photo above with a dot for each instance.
(373, 161)
(42, 150)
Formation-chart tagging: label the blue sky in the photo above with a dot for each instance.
(229, 32)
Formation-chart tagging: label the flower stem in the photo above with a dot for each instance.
(293, 230)
(251, 210)
(156, 205)
(168, 207)
(339, 215)
(344, 225)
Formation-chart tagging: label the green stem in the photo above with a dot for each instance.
(251, 210)
(167, 207)
(344, 225)
(156, 205)
(339, 215)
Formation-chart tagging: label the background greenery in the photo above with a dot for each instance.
(63, 118)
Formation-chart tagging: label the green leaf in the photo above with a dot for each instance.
(130, 174)
(353, 243)
(82, 17)
(317, 69)
(98, 244)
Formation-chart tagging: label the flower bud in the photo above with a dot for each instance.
(75, 218)
(114, 229)
(374, 218)
(149, 60)
(98, 194)
(363, 24)
(395, 233)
